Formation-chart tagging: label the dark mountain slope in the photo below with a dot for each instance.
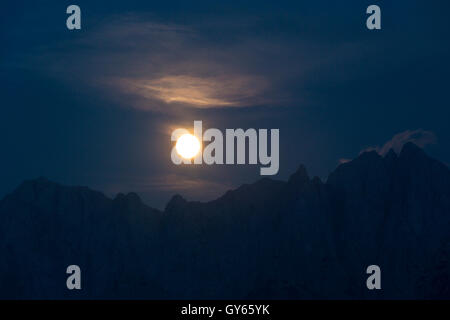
(396, 212)
(45, 227)
(297, 239)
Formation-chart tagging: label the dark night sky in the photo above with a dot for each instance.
(91, 107)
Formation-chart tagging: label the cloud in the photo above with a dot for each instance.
(137, 61)
(344, 160)
(231, 90)
(155, 66)
(420, 137)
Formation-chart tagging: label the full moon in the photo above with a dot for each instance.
(187, 146)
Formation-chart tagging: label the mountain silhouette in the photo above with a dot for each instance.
(300, 239)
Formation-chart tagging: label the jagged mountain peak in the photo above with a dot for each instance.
(175, 202)
(413, 153)
(391, 155)
(410, 149)
(130, 201)
(371, 155)
(129, 197)
(299, 177)
(41, 188)
(369, 160)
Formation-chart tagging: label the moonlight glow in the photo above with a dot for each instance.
(187, 146)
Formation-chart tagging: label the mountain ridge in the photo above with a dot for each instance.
(295, 239)
(298, 176)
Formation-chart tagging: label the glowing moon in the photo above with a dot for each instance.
(187, 146)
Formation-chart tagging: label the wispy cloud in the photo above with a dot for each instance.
(344, 160)
(151, 66)
(161, 66)
(200, 92)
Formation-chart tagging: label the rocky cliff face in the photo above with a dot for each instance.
(297, 239)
